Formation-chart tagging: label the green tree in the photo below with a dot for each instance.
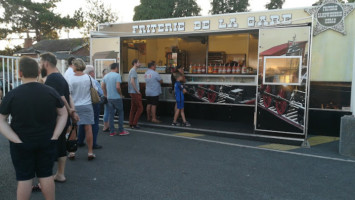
(10, 51)
(351, 1)
(186, 8)
(154, 9)
(95, 13)
(319, 2)
(229, 6)
(275, 4)
(27, 16)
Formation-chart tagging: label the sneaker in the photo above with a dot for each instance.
(175, 124)
(135, 127)
(187, 124)
(97, 147)
(124, 133)
(113, 134)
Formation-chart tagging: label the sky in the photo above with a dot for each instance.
(125, 11)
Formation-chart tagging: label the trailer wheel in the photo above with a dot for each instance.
(212, 96)
(281, 105)
(200, 92)
(267, 99)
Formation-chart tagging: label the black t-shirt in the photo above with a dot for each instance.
(58, 82)
(32, 107)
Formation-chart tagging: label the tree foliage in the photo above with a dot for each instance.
(275, 4)
(95, 13)
(351, 1)
(10, 51)
(229, 6)
(27, 16)
(186, 8)
(157, 9)
(319, 2)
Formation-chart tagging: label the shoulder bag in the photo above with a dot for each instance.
(94, 96)
(72, 144)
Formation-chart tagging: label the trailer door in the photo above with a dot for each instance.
(282, 93)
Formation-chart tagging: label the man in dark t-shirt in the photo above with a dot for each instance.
(55, 80)
(38, 118)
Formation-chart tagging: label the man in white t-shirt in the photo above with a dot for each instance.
(70, 71)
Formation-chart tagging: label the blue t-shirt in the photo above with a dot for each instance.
(132, 74)
(152, 82)
(179, 94)
(110, 80)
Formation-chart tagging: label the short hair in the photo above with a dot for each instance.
(79, 64)
(114, 66)
(49, 57)
(88, 69)
(151, 64)
(178, 75)
(134, 61)
(29, 67)
(70, 60)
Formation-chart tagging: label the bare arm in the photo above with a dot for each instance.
(7, 131)
(103, 86)
(118, 87)
(134, 85)
(62, 116)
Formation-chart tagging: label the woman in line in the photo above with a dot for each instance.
(79, 86)
(106, 111)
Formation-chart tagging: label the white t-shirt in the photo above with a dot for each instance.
(69, 73)
(79, 87)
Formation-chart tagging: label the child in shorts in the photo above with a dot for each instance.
(179, 96)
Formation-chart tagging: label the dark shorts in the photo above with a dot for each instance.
(61, 144)
(180, 104)
(33, 159)
(152, 100)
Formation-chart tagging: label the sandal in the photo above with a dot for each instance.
(91, 156)
(71, 156)
(36, 188)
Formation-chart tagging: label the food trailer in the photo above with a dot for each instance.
(285, 71)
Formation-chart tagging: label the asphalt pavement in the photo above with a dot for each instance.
(156, 164)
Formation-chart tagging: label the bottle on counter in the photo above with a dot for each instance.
(234, 68)
(210, 69)
(203, 70)
(215, 69)
(190, 68)
(239, 69)
(224, 69)
(220, 69)
(199, 68)
(244, 69)
(194, 71)
(229, 69)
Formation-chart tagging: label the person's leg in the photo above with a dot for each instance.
(59, 176)
(47, 187)
(24, 189)
(139, 110)
(133, 110)
(176, 115)
(81, 135)
(95, 127)
(111, 115)
(89, 137)
(183, 115)
(149, 110)
(154, 111)
(106, 115)
(119, 107)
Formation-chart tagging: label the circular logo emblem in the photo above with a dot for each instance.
(330, 14)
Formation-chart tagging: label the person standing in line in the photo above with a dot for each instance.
(79, 86)
(38, 119)
(153, 83)
(179, 96)
(111, 85)
(136, 96)
(96, 107)
(55, 80)
(106, 110)
(178, 69)
(70, 71)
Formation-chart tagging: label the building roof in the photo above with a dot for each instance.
(59, 46)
